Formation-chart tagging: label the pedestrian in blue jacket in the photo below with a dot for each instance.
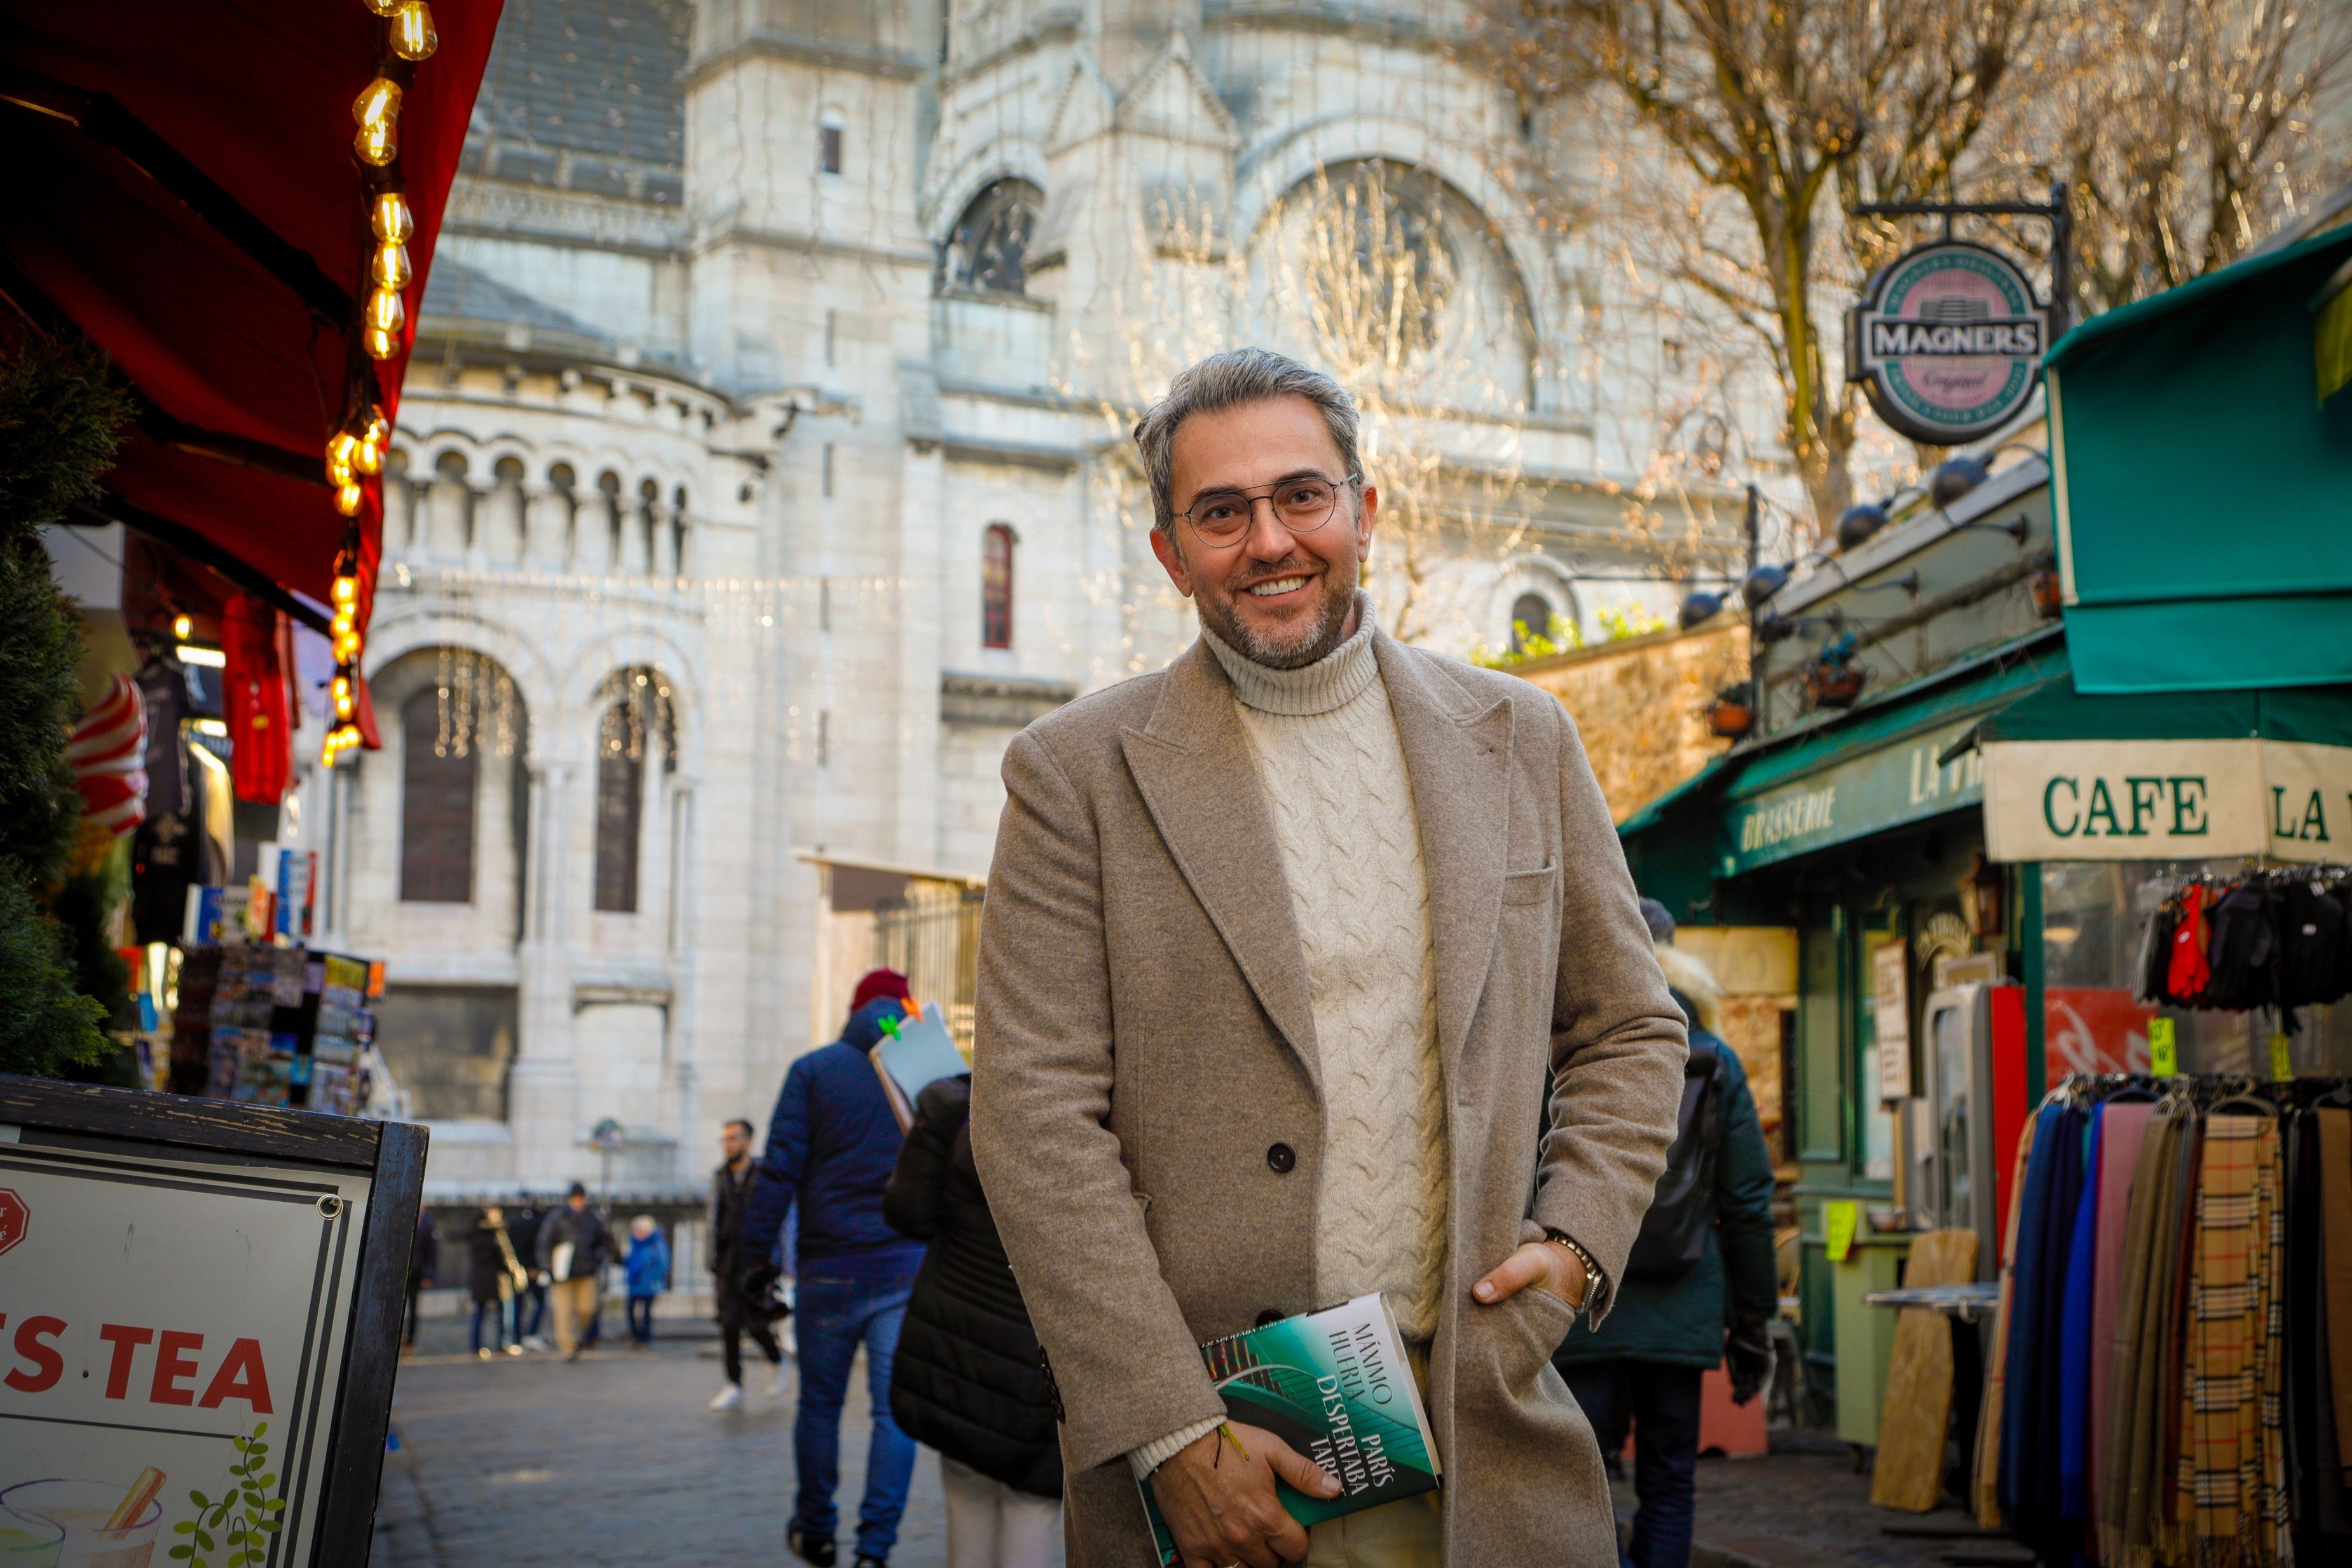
(832, 1146)
(647, 1266)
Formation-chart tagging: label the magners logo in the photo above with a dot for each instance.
(1948, 339)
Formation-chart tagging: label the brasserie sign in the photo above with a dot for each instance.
(1947, 340)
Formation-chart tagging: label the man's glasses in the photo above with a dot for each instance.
(1302, 504)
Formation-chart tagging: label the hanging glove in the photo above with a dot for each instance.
(1749, 1351)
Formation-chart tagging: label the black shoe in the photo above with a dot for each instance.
(809, 1549)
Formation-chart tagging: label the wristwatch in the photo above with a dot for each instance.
(1595, 1280)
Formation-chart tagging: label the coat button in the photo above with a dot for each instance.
(1280, 1159)
(1269, 1317)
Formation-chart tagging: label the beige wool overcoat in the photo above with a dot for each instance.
(1146, 1111)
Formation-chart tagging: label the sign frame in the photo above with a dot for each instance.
(389, 1155)
(2027, 326)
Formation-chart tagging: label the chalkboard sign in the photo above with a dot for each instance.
(200, 1317)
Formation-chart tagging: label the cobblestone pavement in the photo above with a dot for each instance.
(1811, 1509)
(608, 1462)
(529, 1461)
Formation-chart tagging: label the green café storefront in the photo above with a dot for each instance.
(2011, 817)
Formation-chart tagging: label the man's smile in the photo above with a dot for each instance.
(1275, 588)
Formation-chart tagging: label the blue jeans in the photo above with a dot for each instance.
(1662, 1404)
(531, 1301)
(496, 1313)
(641, 1319)
(832, 1317)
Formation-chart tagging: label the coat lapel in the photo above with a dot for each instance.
(1193, 768)
(1458, 758)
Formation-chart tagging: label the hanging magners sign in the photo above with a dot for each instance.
(1948, 339)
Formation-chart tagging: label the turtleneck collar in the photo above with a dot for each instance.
(1333, 681)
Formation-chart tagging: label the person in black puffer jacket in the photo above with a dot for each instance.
(970, 1380)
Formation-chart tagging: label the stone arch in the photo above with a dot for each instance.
(640, 644)
(1272, 170)
(1471, 338)
(1003, 158)
(986, 248)
(1531, 576)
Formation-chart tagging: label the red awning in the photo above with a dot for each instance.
(180, 183)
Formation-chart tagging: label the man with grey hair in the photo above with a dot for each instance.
(1278, 947)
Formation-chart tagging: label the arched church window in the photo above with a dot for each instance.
(1531, 617)
(437, 792)
(990, 247)
(636, 719)
(996, 587)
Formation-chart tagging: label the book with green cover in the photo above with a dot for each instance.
(1337, 1387)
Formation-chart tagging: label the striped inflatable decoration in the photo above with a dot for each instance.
(107, 750)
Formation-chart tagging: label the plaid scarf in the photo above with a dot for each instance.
(2229, 1509)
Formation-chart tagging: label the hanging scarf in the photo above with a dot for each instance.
(1988, 1456)
(2074, 1337)
(2231, 1498)
(2132, 1493)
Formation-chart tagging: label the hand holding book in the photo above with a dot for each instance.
(1324, 1418)
(1219, 1499)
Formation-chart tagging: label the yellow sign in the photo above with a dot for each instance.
(2163, 1054)
(2281, 1064)
(1840, 1216)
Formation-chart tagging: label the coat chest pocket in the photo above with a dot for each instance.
(1536, 886)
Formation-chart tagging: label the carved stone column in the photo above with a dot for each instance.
(547, 528)
(501, 516)
(663, 526)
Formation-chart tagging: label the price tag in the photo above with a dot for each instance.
(2282, 1064)
(1838, 1219)
(2163, 1054)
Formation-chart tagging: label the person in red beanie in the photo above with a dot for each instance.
(833, 1142)
(879, 983)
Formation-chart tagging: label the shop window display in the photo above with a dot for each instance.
(2094, 914)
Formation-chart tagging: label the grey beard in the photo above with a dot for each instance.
(1331, 621)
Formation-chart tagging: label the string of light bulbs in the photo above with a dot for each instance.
(405, 37)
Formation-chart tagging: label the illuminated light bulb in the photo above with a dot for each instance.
(348, 498)
(386, 7)
(347, 647)
(377, 111)
(378, 142)
(385, 313)
(369, 458)
(342, 447)
(377, 104)
(390, 220)
(182, 627)
(389, 269)
(381, 345)
(339, 473)
(413, 38)
(346, 590)
(377, 432)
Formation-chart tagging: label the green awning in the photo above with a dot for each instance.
(2203, 489)
(1843, 776)
(2316, 716)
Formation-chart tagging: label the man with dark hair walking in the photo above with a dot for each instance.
(573, 1248)
(732, 1274)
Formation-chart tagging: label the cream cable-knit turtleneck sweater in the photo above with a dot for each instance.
(1341, 804)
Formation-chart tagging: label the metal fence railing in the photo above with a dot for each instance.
(932, 935)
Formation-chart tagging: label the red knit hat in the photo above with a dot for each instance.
(879, 983)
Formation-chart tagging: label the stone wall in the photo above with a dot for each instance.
(1641, 705)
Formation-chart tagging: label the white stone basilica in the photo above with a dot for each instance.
(759, 471)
